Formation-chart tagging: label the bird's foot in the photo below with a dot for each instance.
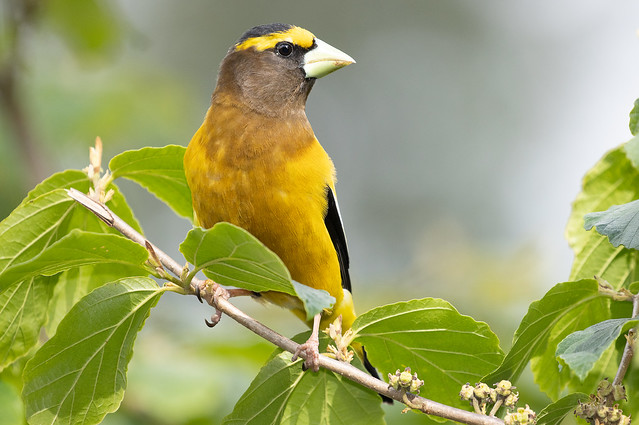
(212, 292)
(310, 352)
(218, 293)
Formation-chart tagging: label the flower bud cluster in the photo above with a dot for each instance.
(405, 381)
(523, 416)
(98, 192)
(611, 393)
(601, 408)
(340, 350)
(599, 414)
(481, 395)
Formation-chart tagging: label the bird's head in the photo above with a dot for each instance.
(272, 68)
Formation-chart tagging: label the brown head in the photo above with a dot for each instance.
(272, 68)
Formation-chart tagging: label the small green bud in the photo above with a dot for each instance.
(415, 385)
(527, 415)
(467, 392)
(504, 388)
(615, 414)
(523, 416)
(405, 378)
(511, 400)
(393, 380)
(602, 411)
(604, 388)
(590, 410)
(619, 392)
(532, 416)
(482, 391)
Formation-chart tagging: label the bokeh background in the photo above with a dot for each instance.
(460, 138)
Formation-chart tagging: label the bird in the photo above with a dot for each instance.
(255, 162)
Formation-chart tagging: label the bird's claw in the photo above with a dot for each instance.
(310, 349)
(215, 319)
(212, 292)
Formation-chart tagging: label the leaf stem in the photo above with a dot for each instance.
(191, 275)
(211, 294)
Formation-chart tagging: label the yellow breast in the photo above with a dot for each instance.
(268, 177)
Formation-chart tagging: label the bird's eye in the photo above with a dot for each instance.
(284, 48)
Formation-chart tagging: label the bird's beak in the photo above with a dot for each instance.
(324, 59)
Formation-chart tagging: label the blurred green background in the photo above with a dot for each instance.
(460, 138)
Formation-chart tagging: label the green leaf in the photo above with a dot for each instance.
(79, 375)
(620, 223)
(282, 393)
(554, 413)
(434, 340)
(78, 248)
(582, 349)
(562, 380)
(119, 205)
(561, 311)
(63, 180)
(549, 374)
(75, 283)
(36, 243)
(634, 119)
(314, 300)
(612, 181)
(46, 217)
(160, 171)
(32, 226)
(231, 256)
(23, 310)
(26, 301)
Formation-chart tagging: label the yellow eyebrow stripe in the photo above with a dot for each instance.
(295, 35)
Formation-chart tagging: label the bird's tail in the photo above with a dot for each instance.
(370, 368)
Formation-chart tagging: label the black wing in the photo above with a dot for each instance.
(333, 222)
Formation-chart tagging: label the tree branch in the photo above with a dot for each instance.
(213, 294)
(628, 351)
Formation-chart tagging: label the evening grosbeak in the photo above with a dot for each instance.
(255, 162)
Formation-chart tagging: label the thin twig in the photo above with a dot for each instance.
(628, 351)
(210, 292)
(496, 407)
